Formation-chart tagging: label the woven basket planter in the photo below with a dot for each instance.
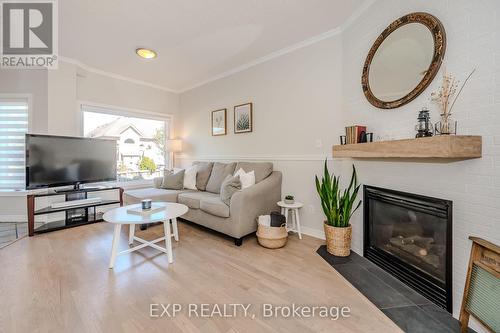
(338, 240)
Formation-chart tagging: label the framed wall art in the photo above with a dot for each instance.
(219, 122)
(243, 121)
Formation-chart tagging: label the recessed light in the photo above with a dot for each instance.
(145, 53)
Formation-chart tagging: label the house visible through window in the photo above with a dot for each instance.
(13, 127)
(140, 140)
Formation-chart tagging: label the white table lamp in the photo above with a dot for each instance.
(174, 146)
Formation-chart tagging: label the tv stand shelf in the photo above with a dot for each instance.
(85, 213)
(49, 210)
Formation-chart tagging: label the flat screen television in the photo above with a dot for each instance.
(60, 161)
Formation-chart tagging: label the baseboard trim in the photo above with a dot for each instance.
(21, 219)
(320, 234)
(13, 218)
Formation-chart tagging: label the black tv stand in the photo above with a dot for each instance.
(74, 215)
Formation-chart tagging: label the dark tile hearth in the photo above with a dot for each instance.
(412, 312)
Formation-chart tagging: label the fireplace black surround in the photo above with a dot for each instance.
(409, 236)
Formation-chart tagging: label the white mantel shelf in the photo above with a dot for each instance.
(452, 147)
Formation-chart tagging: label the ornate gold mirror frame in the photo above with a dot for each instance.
(439, 35)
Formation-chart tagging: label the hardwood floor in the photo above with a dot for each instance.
(60, 282)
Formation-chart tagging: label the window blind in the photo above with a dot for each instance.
(13, 127)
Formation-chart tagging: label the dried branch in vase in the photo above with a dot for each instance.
(443, 97)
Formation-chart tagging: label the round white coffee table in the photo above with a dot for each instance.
(120, 216)
(294, 208)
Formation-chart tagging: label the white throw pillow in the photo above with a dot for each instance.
(190, 178)
(247, 178)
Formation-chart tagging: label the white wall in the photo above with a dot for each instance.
(296, 106)
(107, 90)
(70, 84)
(473, 32)
(33, 82)
(62, 89)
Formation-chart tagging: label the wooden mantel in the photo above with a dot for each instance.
(456, 147)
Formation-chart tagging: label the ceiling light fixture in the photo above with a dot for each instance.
(146, 53)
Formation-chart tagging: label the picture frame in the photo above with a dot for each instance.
(243, 118)
(219, 122)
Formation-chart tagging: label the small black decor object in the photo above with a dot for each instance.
(424, 125)
(343, 140)
(365, 137)
(277, 219)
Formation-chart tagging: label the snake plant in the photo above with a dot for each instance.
(337, 204)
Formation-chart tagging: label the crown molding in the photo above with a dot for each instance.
(114, 75)
(357, 13)
(309, 41)
(270, 56)
(289, 49)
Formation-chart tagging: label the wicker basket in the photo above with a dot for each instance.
(338, 240)
(272, 237)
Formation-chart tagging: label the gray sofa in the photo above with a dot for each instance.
(207, 209)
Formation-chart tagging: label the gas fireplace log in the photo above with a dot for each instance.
(413, 249)
(413, 253)
(423, 242)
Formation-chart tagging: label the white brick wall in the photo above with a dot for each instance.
(473, 31)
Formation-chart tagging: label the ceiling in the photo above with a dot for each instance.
(196, 40)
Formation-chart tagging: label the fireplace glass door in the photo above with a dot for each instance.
(410, 236)
(414, 234)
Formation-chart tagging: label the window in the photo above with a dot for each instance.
(140, 140)
(13, 127)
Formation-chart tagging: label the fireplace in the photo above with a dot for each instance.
(409, 236)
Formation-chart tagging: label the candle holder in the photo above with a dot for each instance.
(146, 204)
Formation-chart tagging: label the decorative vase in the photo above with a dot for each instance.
(446, 126)
(289, 201)
(338, 240)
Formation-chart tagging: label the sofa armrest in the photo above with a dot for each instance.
(260, 199)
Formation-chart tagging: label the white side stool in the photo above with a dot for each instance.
(294, 224)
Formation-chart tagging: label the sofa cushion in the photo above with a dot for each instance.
(173, 181)
(247, 178)
(219, 172)
(157, 181)
(155, 194)
(214, 206)
(262, 169)
(203, 174)
(190, 177)
(192, 199)
(230, 186)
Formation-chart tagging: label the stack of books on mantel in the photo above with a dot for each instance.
(353, 134)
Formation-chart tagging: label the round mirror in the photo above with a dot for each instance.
(403, 60)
